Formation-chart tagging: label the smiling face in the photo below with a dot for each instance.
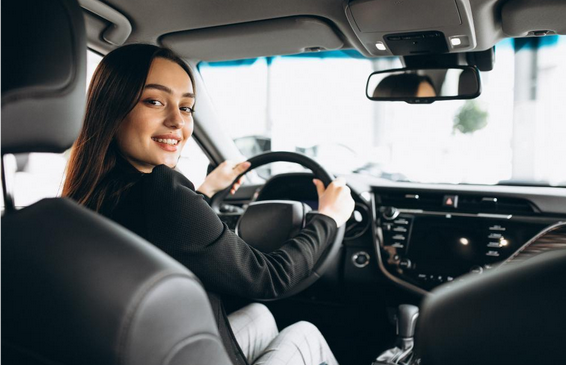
(156, 130)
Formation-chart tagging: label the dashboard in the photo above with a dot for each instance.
(421, 236)
(426, 238)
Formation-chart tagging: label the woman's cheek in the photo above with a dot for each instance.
(188, 132)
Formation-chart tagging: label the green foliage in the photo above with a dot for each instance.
(470, 118)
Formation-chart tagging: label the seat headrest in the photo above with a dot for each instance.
(43, 75)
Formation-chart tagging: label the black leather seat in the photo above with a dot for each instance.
(77, 288)
(512, 315)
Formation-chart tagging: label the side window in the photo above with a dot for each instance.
(193, 163)
(38, 176)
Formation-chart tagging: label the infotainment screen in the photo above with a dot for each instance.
(455, 245)
(449, 246)
(432, 248)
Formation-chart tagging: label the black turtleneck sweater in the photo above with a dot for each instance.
(164, 208)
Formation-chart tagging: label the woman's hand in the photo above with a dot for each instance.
(335, 201)
(222, 176)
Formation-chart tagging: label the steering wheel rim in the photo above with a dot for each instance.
(331, 251)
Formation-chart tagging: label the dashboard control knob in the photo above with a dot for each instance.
(405, 264)
(360, 259)
(390, 213)
(476, 269)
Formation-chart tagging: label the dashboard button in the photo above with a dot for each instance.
(390, 213)
(405, 264)
(360, 259)
(450, 201)
(492, 253)
(476, 269)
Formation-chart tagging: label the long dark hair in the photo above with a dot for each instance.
(399, 86)
(115, 89)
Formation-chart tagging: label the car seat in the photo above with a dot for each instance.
(76, 287)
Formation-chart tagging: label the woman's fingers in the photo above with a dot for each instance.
(222, 176)
(336, 201)
(319, 187)
(242, 167)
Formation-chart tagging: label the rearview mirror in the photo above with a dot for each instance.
(424, 86)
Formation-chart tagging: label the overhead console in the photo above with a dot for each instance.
(428, 238)
(381, 26)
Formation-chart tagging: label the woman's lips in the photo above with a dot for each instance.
(167, 142)
(165, 146)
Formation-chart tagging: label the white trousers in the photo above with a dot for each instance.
(299, 344)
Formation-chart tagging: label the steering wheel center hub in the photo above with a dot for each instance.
(257, 227)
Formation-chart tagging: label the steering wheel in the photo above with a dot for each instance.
(266, 225)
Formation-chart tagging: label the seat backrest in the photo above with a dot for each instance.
(511, 315)
(76, 287)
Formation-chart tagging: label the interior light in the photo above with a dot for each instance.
(464, 241)
(380, 46)
(455, 41)
(503, 242)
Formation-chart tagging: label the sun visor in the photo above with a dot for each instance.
(255, 39)
(412, 27)
(526, 17)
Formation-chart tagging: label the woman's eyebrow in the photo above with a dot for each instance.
(167, 90)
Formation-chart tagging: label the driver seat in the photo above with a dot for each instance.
(77, 288)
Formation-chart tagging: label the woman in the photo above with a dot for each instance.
(405, 86)
(139, 116)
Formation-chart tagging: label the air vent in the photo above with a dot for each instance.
(358, 224)
(494, 204)
(466, 203)
(410, 200)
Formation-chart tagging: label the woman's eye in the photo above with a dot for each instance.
(187, 109)
(154, 102)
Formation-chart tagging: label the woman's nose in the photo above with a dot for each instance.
(174, 118)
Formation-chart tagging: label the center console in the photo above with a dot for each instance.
(427, 240)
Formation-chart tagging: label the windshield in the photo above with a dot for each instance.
(316, 104)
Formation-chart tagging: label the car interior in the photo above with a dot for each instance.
(445, 117)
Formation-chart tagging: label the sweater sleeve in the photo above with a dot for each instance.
(181, 223)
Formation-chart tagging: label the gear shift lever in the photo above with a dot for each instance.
(407, 320)
(406, 323)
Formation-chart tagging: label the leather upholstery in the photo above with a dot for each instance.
(76, 287)
(79, 289)
(511, 315)
(43, 75)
